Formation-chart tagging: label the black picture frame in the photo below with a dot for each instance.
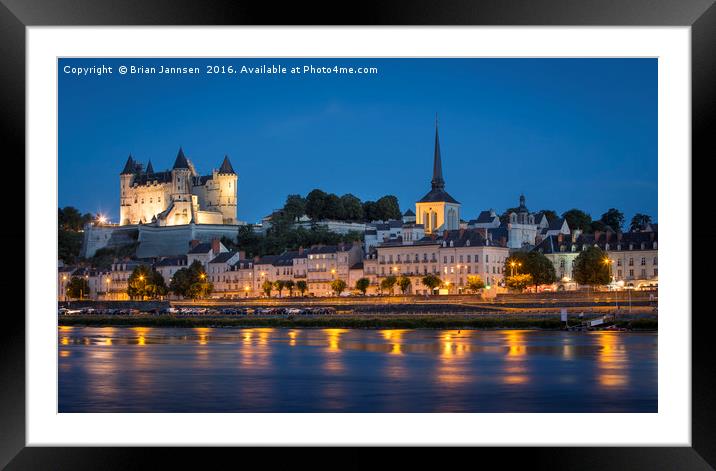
(700, 15)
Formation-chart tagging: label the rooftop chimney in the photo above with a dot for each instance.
(193, 243)
(215, 246)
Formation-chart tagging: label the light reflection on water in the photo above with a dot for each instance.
(147, 369)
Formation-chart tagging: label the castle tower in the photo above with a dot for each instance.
(181, 190)
(126, 179)
(227, 179)
(181, 178)
(437, 210)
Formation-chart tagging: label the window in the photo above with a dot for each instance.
(643, 261)
(487, 258)
(561, 264)
(655, 260)
(631, 272)
(619, 273)
(656, 272)
(619, 262)
(468, 259)
(631, 262)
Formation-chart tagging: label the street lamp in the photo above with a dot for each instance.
(608, 262)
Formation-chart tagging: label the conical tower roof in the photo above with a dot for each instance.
(226, 166)
(181, 161)
(150, 169)
(129, 166)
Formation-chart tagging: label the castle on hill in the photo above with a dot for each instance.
(178, 196)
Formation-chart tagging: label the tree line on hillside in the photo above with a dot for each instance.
(283, 236)
(319, 205)
(581, 220)
(70, 222)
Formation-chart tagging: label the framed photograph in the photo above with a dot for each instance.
(422, 225)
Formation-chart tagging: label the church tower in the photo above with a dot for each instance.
(437, 210)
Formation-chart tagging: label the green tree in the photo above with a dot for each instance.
(388, 283)
(137, 282)
(69, 244)
(362, 285)
(77, 288)
(295, 207)
(249, 241)
(145, 283)
(289, 285)
(279, 285)
(404, 284)
(69, 218)
(302, 286)
(519, 282)
(475, 283)
(578, 219)
(352, 208)
(431, 281)
(338, 286)
(613, 218)
(266, 287)
(333, 208)
(387, 207)
(591, 267)
(370, 212)
(639, 222)
(540, 268)
(515, 263)
(316, 204)
(191, 282)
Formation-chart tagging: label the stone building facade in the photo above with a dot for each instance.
(177, 196)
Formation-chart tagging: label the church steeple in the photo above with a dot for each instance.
(438, 183)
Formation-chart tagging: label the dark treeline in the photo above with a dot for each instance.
(283, 236)
(581, 220)
(319, 205)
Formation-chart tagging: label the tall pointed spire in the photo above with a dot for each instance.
(129, 166)
(437, 182)
(226, 166)
(150, 169)
(181, 161)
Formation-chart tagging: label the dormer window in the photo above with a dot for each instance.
(467, 243)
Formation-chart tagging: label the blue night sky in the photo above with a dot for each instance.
(567, 132)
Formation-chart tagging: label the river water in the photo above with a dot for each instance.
(121, 369)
